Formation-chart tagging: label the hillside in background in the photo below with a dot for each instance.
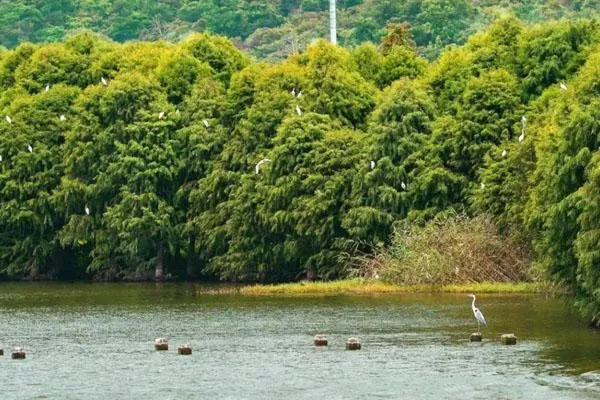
(272, 29)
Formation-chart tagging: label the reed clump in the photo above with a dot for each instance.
(454, 249)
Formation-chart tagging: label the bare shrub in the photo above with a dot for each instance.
(450, 249)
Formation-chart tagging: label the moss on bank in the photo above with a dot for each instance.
(368, 286)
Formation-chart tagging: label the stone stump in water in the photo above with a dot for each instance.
(508, 339)
(161, 344)
(353, 344)
(18, 353)
(184, 349)
(320, 340)
(476, 337)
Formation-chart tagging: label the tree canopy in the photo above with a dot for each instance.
(190, 160)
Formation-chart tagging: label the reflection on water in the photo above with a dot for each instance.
(96, 342)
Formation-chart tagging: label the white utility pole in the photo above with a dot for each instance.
(332, 22)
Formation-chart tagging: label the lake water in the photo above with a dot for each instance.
(87, 341)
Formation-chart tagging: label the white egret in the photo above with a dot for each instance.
(0, 158)
(87, 210)
(205, 122)
(298, 110)
(477, 313)
(177, 111)
(504, 153)
(161, 115)
(372, 164)
(523, 121)
(563, 86)
(104, 81)
(47, 87)
(261, 162)
(29, 148)
(482, 186)
(299, 94)
(522, 136)
(62, 117)
(403, 185)
(293, 92)
(8, 119)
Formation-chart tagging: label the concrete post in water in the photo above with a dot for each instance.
(18, 353)
(161, 344)
(476, 337)
(1, 350)
(184, 349)
(508, 339)
(353, 344)
(320, 340)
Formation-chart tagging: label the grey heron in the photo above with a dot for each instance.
(261, 162)
(477, 313)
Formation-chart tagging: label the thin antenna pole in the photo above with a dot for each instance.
(332, 22)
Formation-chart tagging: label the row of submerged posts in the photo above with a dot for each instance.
(17, 353)
(162, 344)
(507, 338)
(351, 343)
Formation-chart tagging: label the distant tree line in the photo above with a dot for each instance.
(272, 29)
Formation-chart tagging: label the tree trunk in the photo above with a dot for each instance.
(191, 274)
(159, 268)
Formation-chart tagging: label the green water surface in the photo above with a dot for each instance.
(95, 341)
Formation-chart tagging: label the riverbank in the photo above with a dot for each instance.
(370, 286)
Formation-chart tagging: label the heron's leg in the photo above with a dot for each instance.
(478, 327)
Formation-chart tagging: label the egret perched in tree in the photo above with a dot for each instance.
(482, 186)
(161, 115)
(293, 92)
(504, 153)
(298, 110)
(299, 94)
(62, 117)
(0, 158)
(523, 121)
(47, 87)
(403, 185)
(372, 164)
(29, 148)
(8, 119)
(477, 313)
(261, 162)
(104, 81)
(87, 210)
(205, 122)
(563, 86)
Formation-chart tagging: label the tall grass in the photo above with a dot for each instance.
(448, 250)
